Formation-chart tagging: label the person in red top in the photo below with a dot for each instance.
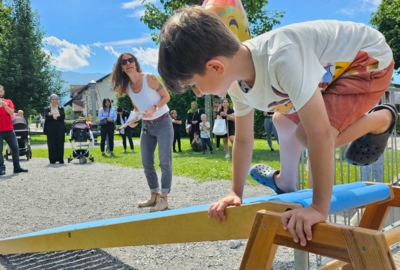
(7, 134)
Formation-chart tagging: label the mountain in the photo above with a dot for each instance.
(71, 77)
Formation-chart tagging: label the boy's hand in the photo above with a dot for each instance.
(299, 222)
(217, 209)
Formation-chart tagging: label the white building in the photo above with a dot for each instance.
(81, 99)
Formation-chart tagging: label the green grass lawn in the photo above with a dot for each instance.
(208, 167)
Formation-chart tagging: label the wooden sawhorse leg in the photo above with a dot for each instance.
(362, 248)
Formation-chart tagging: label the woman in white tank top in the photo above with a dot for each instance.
(149, 96)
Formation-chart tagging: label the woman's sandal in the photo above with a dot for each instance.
(368, 148)
(264, 175)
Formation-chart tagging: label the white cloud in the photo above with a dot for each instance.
(347, 11)
(137, 14)
(69, 56)
(371, 5)
(361, 6)
(147, 56)
(136, 3)
(111, 50)
(125, 43)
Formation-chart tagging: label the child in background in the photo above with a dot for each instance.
(176, 122)
(205, 134)
(195, 143)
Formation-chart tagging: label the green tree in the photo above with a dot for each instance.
(387, 21)
(260, 19)
(25, 69)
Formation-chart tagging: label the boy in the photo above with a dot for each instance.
(285, 70)
(195, 143)
(205, 134)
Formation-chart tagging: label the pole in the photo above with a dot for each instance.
(209, 112)
(93, 96)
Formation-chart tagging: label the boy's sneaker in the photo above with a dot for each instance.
(227, 156)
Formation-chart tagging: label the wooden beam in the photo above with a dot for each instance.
(180, 228)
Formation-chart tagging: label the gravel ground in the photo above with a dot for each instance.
(54, 195)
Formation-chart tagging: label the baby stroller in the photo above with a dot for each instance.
(24, 143)
(80, 134)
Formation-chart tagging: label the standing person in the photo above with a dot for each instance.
(7, 134)
(148, 95)
(54, 128)
(127, 131)
(227, 113)
(331, 81)
(270, 128)
(176, 122)
(107, 128)
(217, 108)
(205, 134)
(193, 118)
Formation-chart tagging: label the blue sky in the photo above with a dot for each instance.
(87, 35)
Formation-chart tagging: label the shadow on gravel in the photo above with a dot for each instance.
(93, 259)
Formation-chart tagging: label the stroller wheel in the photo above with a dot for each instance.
(82, 160)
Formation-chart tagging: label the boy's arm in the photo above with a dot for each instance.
(241, 155)
(316, 134)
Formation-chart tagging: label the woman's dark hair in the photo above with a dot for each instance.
(104, 103)
(119, 78)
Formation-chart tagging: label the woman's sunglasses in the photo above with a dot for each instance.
(125, 61)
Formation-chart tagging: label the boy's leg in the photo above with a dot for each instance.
(203, 145)
(290, 151)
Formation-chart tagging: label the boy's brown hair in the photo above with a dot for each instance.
(190, 38)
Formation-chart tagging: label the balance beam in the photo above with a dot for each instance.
(186, 224)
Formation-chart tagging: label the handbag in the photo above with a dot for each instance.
(103, 122)
(219, 127)
(188, 127)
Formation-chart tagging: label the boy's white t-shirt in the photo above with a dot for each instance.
(204, 134)
(293, 61)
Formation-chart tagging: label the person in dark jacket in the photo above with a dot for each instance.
(54, 128)
(122, 117)
(193, 118)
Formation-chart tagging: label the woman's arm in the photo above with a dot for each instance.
(61, 110)
(156, 85)
(113, 114)
(101, 114)
(231, 115)
(47, 114)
